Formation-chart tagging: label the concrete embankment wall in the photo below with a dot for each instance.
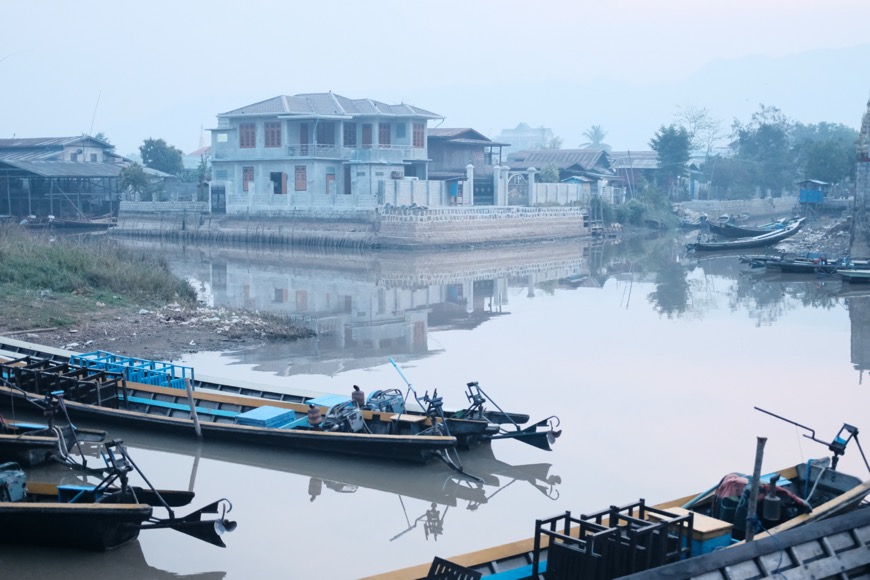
(389, 228)
(185, 222)
(412, 228)
(756, 208)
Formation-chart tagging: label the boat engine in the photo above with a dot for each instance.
(389, 401)
(345, 417)
(776, 503)
(12, 482)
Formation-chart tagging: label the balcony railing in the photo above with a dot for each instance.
(373, 153)
(315, 150)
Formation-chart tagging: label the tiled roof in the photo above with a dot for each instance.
(328, 104)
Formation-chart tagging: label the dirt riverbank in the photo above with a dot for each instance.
(160, 334)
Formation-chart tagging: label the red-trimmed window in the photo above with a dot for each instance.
(273, 134)
(301, 178)
(384, 134)
(247, 135)
(247, 176)
(419, 135)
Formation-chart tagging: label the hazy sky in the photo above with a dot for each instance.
(164, 69)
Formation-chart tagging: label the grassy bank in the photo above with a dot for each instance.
(56, 281)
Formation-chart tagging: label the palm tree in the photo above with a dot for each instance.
(596, 135)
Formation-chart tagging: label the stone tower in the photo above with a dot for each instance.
(859, 242)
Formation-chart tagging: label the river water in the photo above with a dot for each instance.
(652, 360)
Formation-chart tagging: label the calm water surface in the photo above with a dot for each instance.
(652, 360)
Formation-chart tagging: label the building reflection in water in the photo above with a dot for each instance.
(367, 306)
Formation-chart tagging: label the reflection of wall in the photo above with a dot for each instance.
(365, 304)
(859, 316)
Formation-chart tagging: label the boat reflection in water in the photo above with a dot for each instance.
(436, 484)
(450, 489)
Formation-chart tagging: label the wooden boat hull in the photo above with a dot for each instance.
(414, 448)
(854, 276)
(34, 444)
(767, 239)
(801, 266)
(28, 450)
(81, 526)
(731, 230)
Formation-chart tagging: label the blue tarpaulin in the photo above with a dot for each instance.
(811, 196)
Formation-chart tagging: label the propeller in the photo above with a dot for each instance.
(208, 530)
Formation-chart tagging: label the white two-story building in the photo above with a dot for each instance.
(315, 151)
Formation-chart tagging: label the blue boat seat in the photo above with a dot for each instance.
(266, 416)
(180, 407)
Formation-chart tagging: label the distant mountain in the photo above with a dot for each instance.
(814, 86)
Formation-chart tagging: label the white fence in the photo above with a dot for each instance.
(404, 192)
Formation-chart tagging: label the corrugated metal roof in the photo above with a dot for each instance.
(634, 159)
(464, 135)
(448, 132)
(328, 104)
(41, 142)
(65, 168)
(561, 158)
(32, 155)
(47, 142)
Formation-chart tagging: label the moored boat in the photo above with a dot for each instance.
(97, 517)
(732, 230)
(854, 276)
(767, 239)
(637, 538)
(167, 397)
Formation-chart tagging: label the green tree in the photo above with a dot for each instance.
(765, 144)
(595, 135)
(672, 146)
(729, 178)
(133, 178)
(156, 154)
(825, 151)
(201, 174)
(548, 174)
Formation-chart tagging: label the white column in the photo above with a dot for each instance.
(468, 292)
(505, 176)
(496, 185)
(533, 197)
(468, 194)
